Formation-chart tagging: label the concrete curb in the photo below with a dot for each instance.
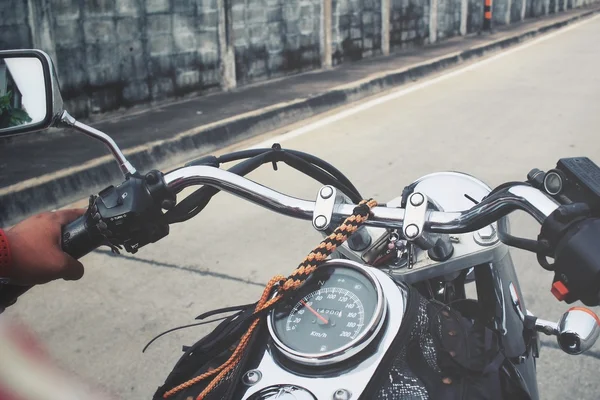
(66, 187)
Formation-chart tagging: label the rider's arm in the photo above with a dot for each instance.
(30, 252)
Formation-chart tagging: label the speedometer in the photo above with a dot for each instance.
(333, 316)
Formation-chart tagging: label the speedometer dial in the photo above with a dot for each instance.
(335, 314)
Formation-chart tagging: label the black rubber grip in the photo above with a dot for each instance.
(78, 240)
(10, 293)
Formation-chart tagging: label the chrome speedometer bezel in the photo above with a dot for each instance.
(353, 347)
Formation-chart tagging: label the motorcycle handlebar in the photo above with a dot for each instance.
(78, 239)
(522, 197)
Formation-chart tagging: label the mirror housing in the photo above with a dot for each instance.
(578, 330)
(41, 83)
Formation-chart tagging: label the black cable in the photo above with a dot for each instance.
(308, 164)
(305, 156)
(284, 154)
(240, 155)
(182, 327)
(199, 199)
(327, 167)
(319, 175)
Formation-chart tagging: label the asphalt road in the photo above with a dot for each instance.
(523, 110)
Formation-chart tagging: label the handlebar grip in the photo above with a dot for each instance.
(78, 239)
(10, 293)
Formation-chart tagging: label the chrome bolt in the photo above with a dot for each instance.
(416, 199)
(454, 239)
(411, 231)
(320, 221)
(326, 192)
(252, 377)
(486, 236)
(487, 232)
(342, 394)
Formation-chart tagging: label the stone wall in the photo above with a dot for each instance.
(409, 22)
(356, 29)
(118, 53)
(562, 5)
(448, 18)
(14, 24)
(535, 8)
(475, 16)
(275, 37)
(516, 7)
(499, 9)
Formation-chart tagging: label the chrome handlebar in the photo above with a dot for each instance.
(518, 197)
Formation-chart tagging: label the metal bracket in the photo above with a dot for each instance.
(415, 216)
(324, 206)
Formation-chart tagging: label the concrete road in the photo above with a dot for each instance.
(496, 120)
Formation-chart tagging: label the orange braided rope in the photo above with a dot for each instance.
(310, 263)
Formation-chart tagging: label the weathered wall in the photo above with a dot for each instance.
(356, 29)
(275, 37)
(448, 18)
(499, 9)
(535, 8)
(117, 53)
(515, 10)
(14, 24)
(475, 16)
(409, 22)
(561, 5)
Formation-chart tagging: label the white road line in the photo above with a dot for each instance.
(397, 93)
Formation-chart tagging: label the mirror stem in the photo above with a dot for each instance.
(124, 165)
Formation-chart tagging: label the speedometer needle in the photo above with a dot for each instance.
(312, 310)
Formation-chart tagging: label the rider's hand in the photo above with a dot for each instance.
(35, 246)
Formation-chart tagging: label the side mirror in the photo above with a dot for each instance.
(29, 95)
(30, 100)
(578, 330)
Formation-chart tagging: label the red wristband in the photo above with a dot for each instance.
(5, 258)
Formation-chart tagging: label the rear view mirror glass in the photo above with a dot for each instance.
(26, 92)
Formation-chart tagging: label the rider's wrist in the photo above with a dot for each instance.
(5, 257)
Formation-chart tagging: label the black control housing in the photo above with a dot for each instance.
(582, 181)
(579, 179)
(577, 262)
(129, 215)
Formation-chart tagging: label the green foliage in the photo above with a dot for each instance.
(10, 116)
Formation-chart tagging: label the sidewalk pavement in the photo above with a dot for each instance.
(53, 168)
